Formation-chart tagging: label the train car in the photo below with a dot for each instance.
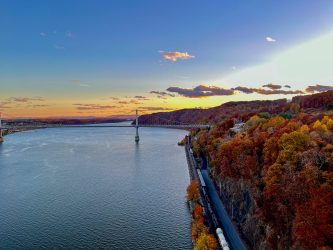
(204, 193)
(214, 220)
(222, 240)
(202, 182)
(210, 208)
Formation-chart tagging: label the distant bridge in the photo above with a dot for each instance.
(162, 123)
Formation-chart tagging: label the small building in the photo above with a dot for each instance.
(237, 128)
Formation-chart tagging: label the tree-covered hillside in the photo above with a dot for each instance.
(275, 174)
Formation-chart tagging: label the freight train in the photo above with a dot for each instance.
(221, 238)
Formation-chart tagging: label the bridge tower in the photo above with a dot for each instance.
(137, 138)
(1, 136)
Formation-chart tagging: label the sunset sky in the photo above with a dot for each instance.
(101, 58)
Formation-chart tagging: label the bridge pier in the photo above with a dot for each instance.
(137, 138)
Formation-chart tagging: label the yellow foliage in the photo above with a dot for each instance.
(304, 129)
(316, 125)
(324, 128)
(198, 229)
(319, 126)
(325, 119)
(329, 124)
(276, 121)
(291, 144)
(206, 242)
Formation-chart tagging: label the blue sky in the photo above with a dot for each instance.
(86, 51)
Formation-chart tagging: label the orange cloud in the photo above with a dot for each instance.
(175, 55)
(25, 99)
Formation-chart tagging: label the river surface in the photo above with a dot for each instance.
(88, 188)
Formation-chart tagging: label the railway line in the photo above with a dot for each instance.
(218, 219)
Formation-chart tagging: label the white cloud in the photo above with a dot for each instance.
(43, 34)
(270, 39)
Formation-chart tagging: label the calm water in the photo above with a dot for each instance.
(94, 188)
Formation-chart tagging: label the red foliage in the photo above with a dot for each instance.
(321, 100)
(284, 162)
(285, 165)
(312, 226)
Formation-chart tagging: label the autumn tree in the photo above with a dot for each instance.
(318, 126)
(206, 242)
(274, 122)
(254, 121)
(313, 227)
(198, 213)
(193, 191)
(329, 124)
(279, 172)
(304, 129)
(197, 229)
(291, 144)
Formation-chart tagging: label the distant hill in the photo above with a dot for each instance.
(322, 100)
(65, 120)
(241, 110)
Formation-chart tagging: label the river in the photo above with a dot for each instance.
(88, 188)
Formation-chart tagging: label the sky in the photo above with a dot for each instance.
(110, 57)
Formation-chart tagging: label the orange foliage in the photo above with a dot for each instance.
(198, 213)
(289, 164)
(193, 191)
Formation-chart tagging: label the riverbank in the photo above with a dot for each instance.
(215, 214)
(6, 132)
(203, 227)
(12, 131)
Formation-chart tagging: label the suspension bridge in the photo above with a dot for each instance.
(159, 123)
